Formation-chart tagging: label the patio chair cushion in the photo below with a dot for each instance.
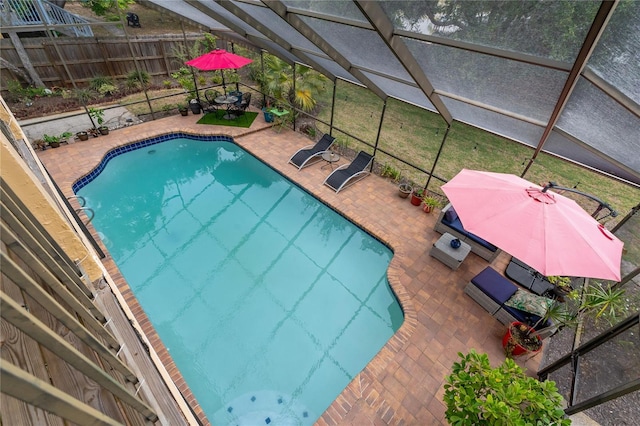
(450, 215)
(453, 221)
(529, 302)
(494, 285)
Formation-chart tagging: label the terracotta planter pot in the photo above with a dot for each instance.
(104, 130)
(415, 200)
(427, 208)
(404, 190)
(83, 136)
(511, 345)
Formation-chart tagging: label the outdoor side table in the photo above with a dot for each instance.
(446, 254)
(330, 158)
(280, 122)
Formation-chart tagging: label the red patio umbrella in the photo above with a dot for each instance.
(545, 230)
(219, 59)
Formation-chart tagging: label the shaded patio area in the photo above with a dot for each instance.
(403, 383)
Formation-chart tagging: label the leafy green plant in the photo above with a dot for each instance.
(185, 80)
(431, 201)
(390, 172)
(107, 90)
(101, 7)
(477, 394)
(97, 114)
(49, 139)
(82, 94)
(277, 82)
(96, 82)
(137, 79)
(167, 84)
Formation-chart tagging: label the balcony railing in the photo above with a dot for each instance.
(17, 13)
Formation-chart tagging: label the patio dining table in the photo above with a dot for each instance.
(227, 100)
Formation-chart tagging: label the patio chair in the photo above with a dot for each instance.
(239, 109)
(210, 95)
(237, 94)
(311, 154)
(348, 174)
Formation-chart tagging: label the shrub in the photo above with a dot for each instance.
(477, 394)
(98, 81)
(107, 90)
(83, 95)
(137, 79)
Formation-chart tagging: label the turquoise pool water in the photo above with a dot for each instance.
(268, 301)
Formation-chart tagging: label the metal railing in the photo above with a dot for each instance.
(42, 12)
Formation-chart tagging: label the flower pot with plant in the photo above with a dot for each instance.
(54, 141)
(416, 196)
(183, 109)
(404, 189)
(83, 136)
(477, 394)
(520, 339)
(429, 203)
(97, 114)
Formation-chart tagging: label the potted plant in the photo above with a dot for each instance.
(598, 301)
(83, 136)
(404, 189)
(429, 203)
(416, 196)
(54, 141)
(520, 339)
(98, 115)
(184, 110)
(475, 394)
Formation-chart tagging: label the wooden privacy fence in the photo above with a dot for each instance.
(86, 58)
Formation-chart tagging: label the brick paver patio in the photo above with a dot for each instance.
(403, 384)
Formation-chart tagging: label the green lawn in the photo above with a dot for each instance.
(415, 135)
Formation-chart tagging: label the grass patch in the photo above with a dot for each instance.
(216, 118)
(414, 135)
(139, 104)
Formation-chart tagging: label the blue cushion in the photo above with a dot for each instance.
(450, 215)
(494, 285)
(456, 225)
(526, 317)
(482, 242)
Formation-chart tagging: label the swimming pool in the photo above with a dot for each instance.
(268, 301)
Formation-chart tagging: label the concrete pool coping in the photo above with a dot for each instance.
(403, 382)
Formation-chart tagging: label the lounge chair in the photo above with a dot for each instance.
(348, 174)
(310, 154)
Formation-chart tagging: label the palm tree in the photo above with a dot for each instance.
(277, 82)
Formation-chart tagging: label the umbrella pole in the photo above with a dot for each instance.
(195, 84)
(224, 86)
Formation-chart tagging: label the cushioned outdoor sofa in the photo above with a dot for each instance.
(495, 293)
(449, 222)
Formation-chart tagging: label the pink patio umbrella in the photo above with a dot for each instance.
(545, 230)
(219, 59)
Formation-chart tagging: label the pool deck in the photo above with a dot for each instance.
(403, 384)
